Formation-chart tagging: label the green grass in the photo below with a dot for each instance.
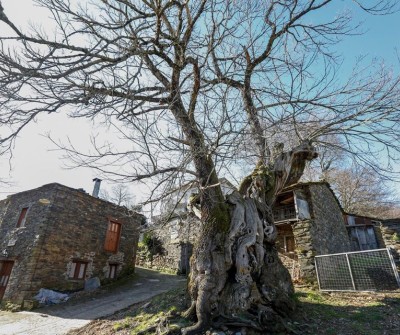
(347, 313)
(126, 323)
(143, 319)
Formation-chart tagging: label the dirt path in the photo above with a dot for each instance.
(60, 319)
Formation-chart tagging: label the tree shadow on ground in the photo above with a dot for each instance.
(356, 313)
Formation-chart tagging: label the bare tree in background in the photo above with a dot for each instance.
(187, 84)
(119, 195)
(330, 158)
(362, 191)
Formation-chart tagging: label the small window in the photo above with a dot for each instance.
(22, 217)
(112, 272)
(78, 270)
(302, 209)
(351, 220)
(112, 236)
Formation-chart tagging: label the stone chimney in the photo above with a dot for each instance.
(96, 187)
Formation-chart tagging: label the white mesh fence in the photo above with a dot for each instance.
(371, 270)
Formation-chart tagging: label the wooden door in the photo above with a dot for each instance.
(112, 237)
(5, 272)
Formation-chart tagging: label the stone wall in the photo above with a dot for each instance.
(292, 265)
(62, 225)
(329, 234)
(379, 236)
(23, 244)
(305, 249)
(324, 233)
(390, 232)
(178, 237)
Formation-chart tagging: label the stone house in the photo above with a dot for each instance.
(310, 222)
(57, 237)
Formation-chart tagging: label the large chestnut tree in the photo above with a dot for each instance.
(201, 89)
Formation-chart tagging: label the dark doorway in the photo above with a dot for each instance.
(5, 272)
(186, 253)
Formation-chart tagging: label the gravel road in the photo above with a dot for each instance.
(59, 319)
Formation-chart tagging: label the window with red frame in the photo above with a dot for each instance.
(22, 217)
(112, 273)
(78, 269)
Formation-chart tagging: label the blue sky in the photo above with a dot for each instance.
(34, 165)
(381, 39)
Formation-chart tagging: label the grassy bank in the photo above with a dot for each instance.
(355, 313)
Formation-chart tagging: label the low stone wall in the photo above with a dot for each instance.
(305, 249)
(178, 237)
(167, 263)
(390, 231)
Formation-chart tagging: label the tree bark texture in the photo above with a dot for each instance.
(236, 275)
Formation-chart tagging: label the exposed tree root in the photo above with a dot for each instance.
(197, 329)
(190, 313)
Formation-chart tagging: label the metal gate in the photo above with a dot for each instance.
(370, 270)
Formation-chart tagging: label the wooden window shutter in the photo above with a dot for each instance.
(112, 273)
(78, 269)
(112, 236)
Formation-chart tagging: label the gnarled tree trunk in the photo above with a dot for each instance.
(236, 276)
